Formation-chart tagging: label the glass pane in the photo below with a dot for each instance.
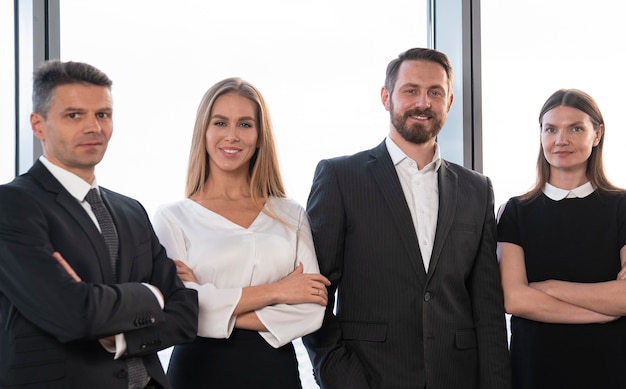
(7, 92)
(531, 49)
(320, 65)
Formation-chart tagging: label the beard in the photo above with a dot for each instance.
(416, 133)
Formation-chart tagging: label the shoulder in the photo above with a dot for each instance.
(124, 205)
(287, 207)
(23, 196)
(21, 184)
(173, 210)
(118, 198)
(348, 168)
(358, 157)
(515, 206)
(463, 172)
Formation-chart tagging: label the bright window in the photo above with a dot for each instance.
(7, 93)
(530, 49)
(319, 64)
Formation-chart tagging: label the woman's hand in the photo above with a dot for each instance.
(184, 272)
(66, 266)
(299, 287)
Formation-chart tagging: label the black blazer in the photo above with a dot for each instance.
(50, 324)
(397, 326)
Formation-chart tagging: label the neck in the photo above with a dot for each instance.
(567, 180)
(422, 153)
(225, 187)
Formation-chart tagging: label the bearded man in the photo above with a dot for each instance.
(408, 241)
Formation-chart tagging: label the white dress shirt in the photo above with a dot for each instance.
(421, 190)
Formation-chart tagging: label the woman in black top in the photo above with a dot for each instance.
(562, 248)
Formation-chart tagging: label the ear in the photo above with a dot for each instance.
(37, 124)
(450, 102)
(384, 97)
(599, 135)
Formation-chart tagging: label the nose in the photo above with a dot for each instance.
(422, 100)
(232, 135)
(562, 138)
(93, 125)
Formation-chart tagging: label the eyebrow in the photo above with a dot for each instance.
(412, 85)
(76, 109)
(218, 116)
(577, 123)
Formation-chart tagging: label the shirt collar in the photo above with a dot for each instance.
(77, 187)
(557, 194)
(397, 155)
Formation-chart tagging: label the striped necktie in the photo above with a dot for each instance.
(137, 376)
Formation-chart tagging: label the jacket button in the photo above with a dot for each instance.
(427, 296)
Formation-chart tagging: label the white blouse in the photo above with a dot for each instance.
(226, 257)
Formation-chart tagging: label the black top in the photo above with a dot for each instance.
(577, 240)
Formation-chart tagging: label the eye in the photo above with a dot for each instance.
(103, 115)
(436, 93)
(72, 115)
(246, 125)
(577, 129)
(549, 130)
(410, 91)
(219, 123)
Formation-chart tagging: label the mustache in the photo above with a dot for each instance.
(418, 112)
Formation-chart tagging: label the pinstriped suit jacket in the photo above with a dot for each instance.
(397, 326)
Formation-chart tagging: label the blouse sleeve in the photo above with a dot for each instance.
(288, 322)
(170, 234)
(216, 306)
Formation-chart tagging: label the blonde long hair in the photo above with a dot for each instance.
(265, 178)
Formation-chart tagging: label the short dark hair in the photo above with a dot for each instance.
(416, 54)
(54, 73)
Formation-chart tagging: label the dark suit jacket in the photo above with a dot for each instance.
(49, 323)
(397, 326)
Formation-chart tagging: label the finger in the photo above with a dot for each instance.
(319, 278)
(66, 266)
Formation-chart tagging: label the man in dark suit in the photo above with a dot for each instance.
(408, 242)
(80, 308)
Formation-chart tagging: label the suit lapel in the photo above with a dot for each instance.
(66, 201)
(448, 188)
(385, 175)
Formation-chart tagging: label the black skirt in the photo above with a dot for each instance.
(245, 360)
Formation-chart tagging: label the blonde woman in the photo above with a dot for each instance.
(246, 249)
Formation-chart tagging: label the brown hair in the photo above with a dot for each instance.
(581, 101)
(417, 54)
